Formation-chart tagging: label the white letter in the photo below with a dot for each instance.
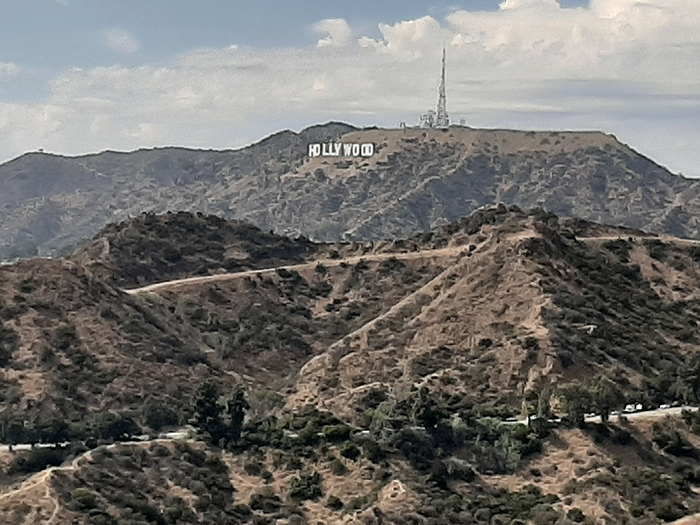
(367, 149)
(355, 150)
(347, 149)
(314, 150)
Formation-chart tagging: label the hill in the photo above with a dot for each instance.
(152, 248)
(380, 375)
(417, 180)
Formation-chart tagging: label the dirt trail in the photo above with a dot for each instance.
(326, 262)
(347, 260)
(40, 500)
(663, 238)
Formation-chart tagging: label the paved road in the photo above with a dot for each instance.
(644, 414)
(182, 433)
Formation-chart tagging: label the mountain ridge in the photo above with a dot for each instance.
(416, 180)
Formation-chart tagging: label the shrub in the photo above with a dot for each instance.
(485, 343)
(306, 487)
(334, 503)
(338, 468)
(657, 249)
(620, 247)
(158, 416)
(144, 508)
(358, 503)
(83, 499)
(576, 515)
(267, 502)
(337, 432)
(253, 468)
(531, 343)
(669, 510)
(241, 510)
(9, 343)
(350, 451)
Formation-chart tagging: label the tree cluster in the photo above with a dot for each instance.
(219, 421)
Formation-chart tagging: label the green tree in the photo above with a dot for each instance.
(115, 427)
(529, 406)
(576, 399)
(208, 411)
(689, 375)
(424, 411)
(544, 406)
(14, 432)
(605, 396)
(53, 430)
(236, 405)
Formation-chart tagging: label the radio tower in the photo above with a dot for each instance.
(441, 119)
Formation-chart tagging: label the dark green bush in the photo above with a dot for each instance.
(336, 433)
(576, 515)
(621, 248)
(334, 503)
(657, 249)
(265, 502)
(83, 499)
(670, 510)
(338, 468)
(350, 451)
(306, 487)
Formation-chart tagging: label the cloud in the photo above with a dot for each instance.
(625, 67)
(121, 41)
(337, 33)
(9, 70)
(529, 4)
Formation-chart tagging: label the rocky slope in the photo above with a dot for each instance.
(416, 180)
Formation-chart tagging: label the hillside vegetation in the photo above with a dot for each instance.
(353, 382)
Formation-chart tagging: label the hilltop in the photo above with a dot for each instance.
(417, 179)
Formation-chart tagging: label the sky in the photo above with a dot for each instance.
(82, 76)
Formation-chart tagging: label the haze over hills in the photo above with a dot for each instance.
(416, 180)
(423, 346)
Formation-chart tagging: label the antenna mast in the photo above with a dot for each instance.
(441, 118)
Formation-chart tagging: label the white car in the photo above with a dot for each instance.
(664, 407)
(628, 408)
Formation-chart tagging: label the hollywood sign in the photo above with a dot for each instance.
(341, 149)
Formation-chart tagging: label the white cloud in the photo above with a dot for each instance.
(8, 70)
(121, 40)
(337, 33)
(619, 65)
